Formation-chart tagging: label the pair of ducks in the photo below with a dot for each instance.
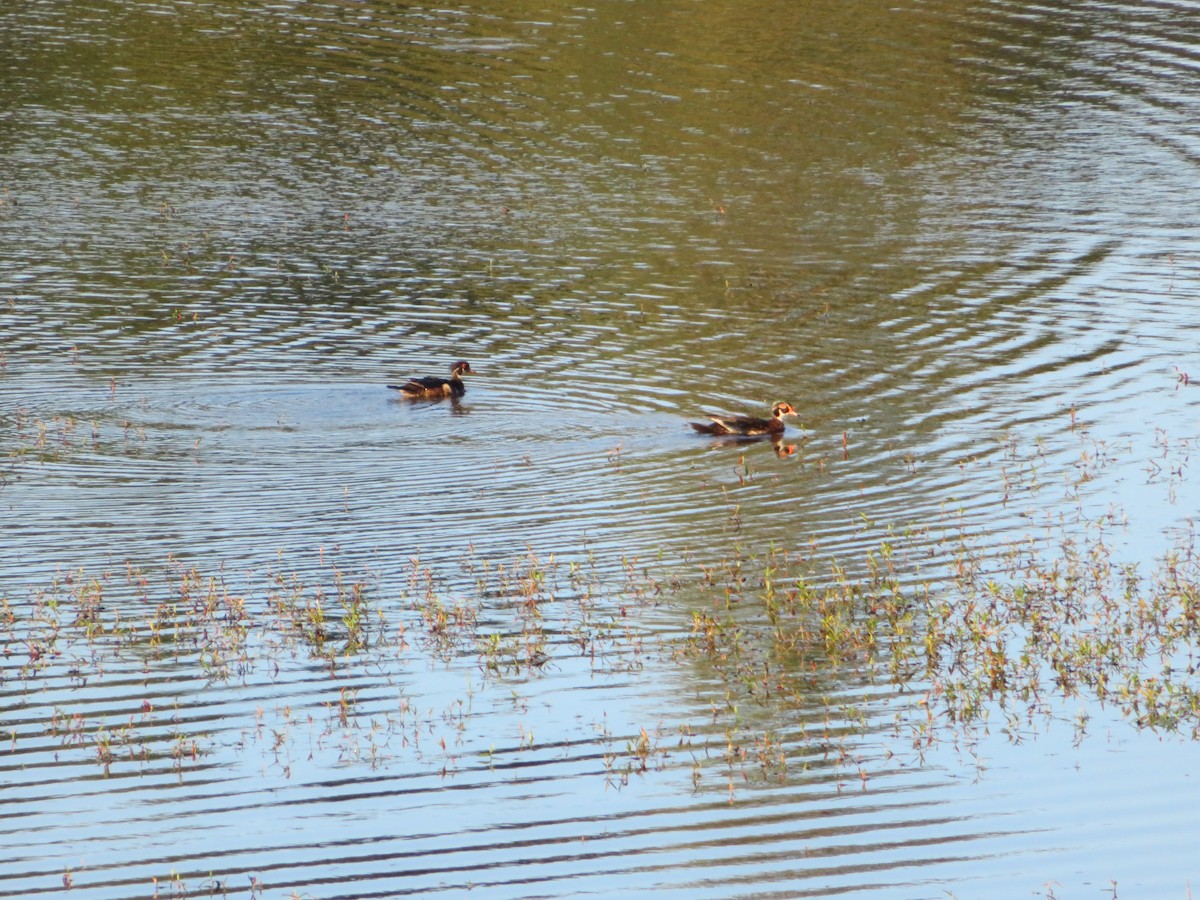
(432, 387)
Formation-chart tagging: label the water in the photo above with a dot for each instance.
(960, 241)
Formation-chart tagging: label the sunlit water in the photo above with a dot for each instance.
(961, 241)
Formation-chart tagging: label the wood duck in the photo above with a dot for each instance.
(747, 425)
(433, 386)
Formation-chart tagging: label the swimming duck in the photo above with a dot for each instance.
(432, 386)
(747, 425)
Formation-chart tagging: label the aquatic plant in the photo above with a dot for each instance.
(771, 663)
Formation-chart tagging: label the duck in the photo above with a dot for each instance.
(747, 426)
(433, 386)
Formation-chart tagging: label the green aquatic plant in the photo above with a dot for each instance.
(936, 632)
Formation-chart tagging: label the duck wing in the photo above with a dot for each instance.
(741, 424)
(423, 385)
(728, 425)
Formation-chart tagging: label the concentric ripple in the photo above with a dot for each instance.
(272, 629)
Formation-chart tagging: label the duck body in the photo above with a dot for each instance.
(432, 386)
(746, 426)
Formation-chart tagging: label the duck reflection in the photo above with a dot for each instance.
(781, 449)
(456, 404)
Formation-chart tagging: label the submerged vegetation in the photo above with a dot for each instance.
(775, 664)
(937, 631)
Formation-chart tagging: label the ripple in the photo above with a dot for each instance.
(224, 238)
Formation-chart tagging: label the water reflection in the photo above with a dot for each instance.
(956, 238)
(778, 446)
(456, 405)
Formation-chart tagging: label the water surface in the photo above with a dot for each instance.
(960, 240)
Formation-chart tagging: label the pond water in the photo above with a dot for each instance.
(272, 630)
